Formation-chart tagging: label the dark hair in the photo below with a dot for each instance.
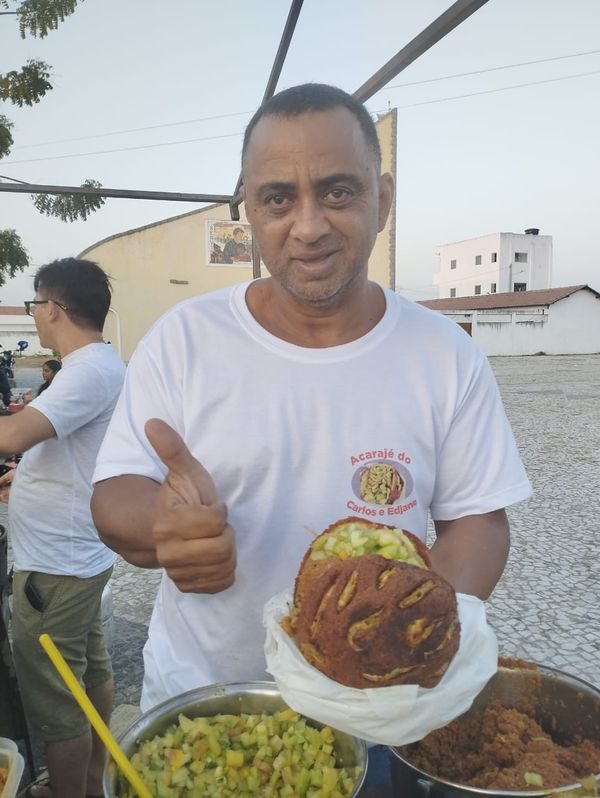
(315, 97)
(81, 285)
(53, 365)
(238, 230)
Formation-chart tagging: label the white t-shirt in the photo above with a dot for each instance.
(49, 513)
(286, 433)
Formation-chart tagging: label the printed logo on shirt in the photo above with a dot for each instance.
(381, 483)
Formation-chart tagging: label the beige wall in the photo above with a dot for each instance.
(382, 263)
(142, 263)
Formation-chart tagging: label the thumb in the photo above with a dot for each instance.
(183, 467)
(169, 446)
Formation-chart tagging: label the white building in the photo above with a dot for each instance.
(16, 325)
(554, 321)
(496, 263)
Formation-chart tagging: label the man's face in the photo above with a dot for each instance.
(315, 200)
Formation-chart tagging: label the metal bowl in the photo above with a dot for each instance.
(565, 706)
(242, 697)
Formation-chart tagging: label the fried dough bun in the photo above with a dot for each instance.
(357, 537)
(370, 612)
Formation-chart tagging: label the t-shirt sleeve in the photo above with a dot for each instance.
(77, 395)
(479, 467)
(149, 391)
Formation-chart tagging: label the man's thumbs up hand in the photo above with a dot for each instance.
(194, 543)
(189, 482)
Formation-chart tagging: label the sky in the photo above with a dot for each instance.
(155, 96)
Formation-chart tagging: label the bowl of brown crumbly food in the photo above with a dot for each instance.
(533, 731)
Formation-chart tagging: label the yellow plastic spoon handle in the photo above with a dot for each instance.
(94, 718)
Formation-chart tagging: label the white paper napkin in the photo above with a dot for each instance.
(387, 715)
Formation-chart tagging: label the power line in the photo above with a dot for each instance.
(503, 88)
(244, 113)
(490, 69)
(231, 135)
(133, 130)
(125, 149)
(13, 180)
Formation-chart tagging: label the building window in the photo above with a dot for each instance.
(453, 264)
(453, 292)
(520, 257)
(477, 260)
(494, 257)
(477, 290)
(492, 288)
(519, 286)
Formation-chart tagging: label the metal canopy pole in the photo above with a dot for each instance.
(446, 22)
(121, 193)
(284, 46)
(282, 50)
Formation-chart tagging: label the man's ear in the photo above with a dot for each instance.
(53, 311)
(386, 196)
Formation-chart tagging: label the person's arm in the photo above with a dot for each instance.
(24, 429)
(6, 481)
(471, 552)
(180, 525)
(124, 509)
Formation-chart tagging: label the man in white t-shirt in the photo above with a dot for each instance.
(60, 564)
(277, 407)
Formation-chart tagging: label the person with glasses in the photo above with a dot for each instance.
(60, 564)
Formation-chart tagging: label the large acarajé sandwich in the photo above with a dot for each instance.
(368, 611)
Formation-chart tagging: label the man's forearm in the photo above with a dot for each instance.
(123, 509)
(471, 552)
(24, 429)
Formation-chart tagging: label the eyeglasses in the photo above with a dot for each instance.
(31, 303)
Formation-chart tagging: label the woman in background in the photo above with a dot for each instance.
(49, 371)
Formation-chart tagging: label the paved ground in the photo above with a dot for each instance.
(547, 606)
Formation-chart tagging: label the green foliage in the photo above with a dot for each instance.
(28, 86)
(39, 17)
(70, 207)
(6, 139)
(13, 255)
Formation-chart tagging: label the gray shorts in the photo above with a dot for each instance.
(69, 611)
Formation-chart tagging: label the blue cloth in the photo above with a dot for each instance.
(378, 766)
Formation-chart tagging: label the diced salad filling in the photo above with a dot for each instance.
(276, 756)
(355, 539)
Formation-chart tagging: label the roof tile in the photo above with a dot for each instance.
(517, 299)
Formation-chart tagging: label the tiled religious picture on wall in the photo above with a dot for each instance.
(228, 243)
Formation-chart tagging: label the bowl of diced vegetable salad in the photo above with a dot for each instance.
(237, 740)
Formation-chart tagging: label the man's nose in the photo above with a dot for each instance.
(310, 221)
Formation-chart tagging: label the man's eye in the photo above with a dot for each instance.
(337, 195)
(277, 201)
